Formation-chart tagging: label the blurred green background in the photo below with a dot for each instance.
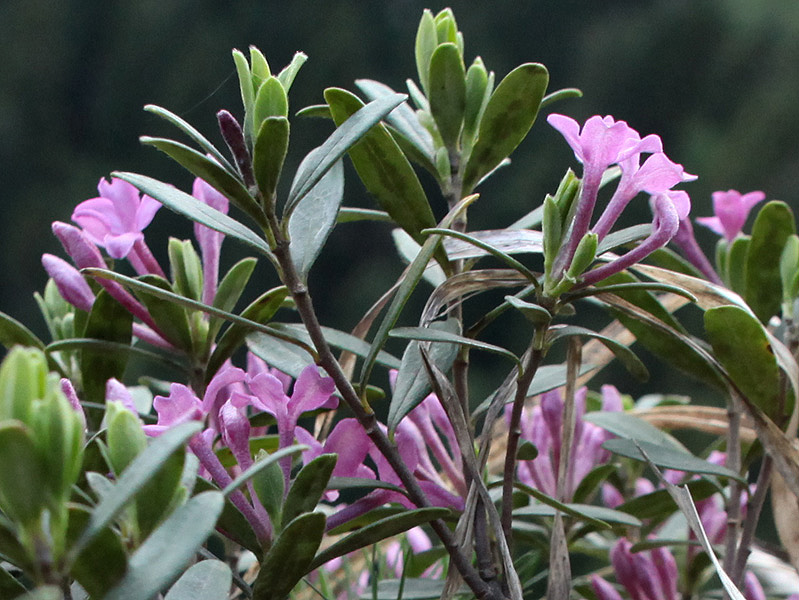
(717, 79)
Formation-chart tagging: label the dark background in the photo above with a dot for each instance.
(716, 79)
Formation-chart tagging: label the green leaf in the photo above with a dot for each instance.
(308, 486)
(270, 101)
(229, 291)
(12, 333)
(212, 173)
(412, 383)
(488, 247)
(630, 361)
(196, 210)
(447, 92)
(134, 478)
(773, 226)
(289, 558)
(378, 531)
(659, 505)
(124, 436)
(314, 217)
(186, 269)
(509, 115)
(337, 145)
(657, 330)
(259, 312)
(741, 345)
(383, 168)
(479, 86)
(108, 321)
(278, 353)
(170, 317)
(630, 427)
(737, 263)
(106, 549)
(260, 465)
(195, 135)
(337, 339)
(431, 334)
(403, 119)
(9, 586)
(206, 580)
(537, 315)
(412, 277)
(157, 496)
(426, 42)
(597, 516)
(162, 557)
(289, 72)
(269, 152)
(23, 480)
(247, 90)
(559, 506)
(667, 457)
(270, 486)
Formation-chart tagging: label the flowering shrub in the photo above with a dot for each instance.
(266, 455)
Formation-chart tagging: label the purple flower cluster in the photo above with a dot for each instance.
(601, 143)
(542, 425)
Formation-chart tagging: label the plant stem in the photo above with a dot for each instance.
(734, 501)
(366, 417)
(752, 517)
(514, 433)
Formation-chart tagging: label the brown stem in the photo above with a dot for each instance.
(734, 501)
(366, 417)
(514, 433)
(753, 509)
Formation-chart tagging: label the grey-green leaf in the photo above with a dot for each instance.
(206, 580)
(337, 145)
(212, 173)
(163, 555)
(412, 384)
(383, 168)
(195, 209)
(314, 217)
(135, 477)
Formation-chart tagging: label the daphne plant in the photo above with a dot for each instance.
(265, 446)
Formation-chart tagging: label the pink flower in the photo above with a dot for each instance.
(731, 210)
(70, 283)
(210, 241)
(116, 218)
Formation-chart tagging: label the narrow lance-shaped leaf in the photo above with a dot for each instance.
(378, 531)
(195, 135)
(308, 486)
(627, 357)
(402, 118)
(412, 276)
(13, 332)
(509, 115)
(163, 556)
(170, 317)
(413, 384)
(211, 172)
(383, 168)
(337, 145)
(134, 478)
(313, 219)
(196, 210)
